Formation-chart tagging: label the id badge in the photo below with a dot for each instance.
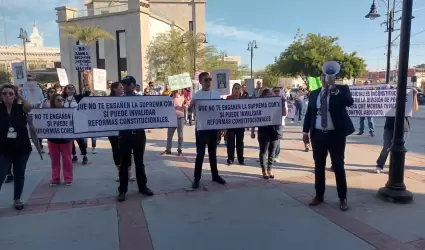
(11, 134)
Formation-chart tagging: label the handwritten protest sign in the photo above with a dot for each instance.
(82, 57)
(181, 81)
(371, 100)
(57, 124)
(377, 101)
(238, 113)
(96, 114)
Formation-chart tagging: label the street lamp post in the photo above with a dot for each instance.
(195, 38)
(395, 189)
(251, 46)
(23, 35)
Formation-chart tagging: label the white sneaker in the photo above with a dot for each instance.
(93, 150)
(377, 170)
(276, 160)
(68, 183)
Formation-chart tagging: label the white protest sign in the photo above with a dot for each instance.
(95, 114)
(63, 77)
(19, 73)
(291, 110)
(180, 81)
(221, 81)
(377, 101)
(56, 123)
(238, 113)
(99, 79)
(32, 93)
(82, 57)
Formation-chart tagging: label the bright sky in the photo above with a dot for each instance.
(231, 24)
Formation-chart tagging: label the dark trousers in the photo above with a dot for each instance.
(268, 147)
(116, 152)
(298, 110)
(333, 143)
(82, 144)
(9, 171)
(204, 138)
(19, 165)
(136, 142)
(235, 135)
(41, 143)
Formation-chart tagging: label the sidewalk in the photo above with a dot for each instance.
(249, 213)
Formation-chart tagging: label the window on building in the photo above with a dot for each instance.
(122, 53)
(100, 54)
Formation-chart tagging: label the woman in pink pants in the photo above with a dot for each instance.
(58, 148)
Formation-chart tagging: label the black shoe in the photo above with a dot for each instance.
(195, 184)
(74, 158)
(241, 162)
(219, 180)
(360, 133)
(371, 133)
(9, 178)
(85, 160)
(229, 162)
(121, 197)
(146, 191)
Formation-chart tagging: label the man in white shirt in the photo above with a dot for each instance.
(328, 124)
(205, 137)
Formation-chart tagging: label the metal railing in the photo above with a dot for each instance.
(101, 11)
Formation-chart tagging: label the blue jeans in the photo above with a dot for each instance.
(19, 165)
(277, 153)
(369, 123)
(298, 110)
(388, 137)
(93, 142)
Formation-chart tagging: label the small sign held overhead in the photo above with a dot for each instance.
(19, 73)
(63, 77)
(82, 57)
(99, 79)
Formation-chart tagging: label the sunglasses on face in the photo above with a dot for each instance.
(207, 79)
(60, 100)
(8, 94)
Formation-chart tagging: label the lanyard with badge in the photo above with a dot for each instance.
(11, 133)
(69, 101)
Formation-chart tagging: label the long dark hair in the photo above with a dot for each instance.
(52, 100)
(114, 85)
(64, 92)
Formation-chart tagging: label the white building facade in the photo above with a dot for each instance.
(132, 24)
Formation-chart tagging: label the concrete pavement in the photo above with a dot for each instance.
(248, 213)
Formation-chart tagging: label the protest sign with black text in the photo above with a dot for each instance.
(238, 113)
(57, 123)
(96, 114)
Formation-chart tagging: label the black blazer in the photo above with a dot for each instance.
(337, 108)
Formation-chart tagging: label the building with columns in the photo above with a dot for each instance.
(134, 24)
(38, 56)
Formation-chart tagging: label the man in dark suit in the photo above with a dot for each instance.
(327, 124)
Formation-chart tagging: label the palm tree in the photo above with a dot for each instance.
(86, 35)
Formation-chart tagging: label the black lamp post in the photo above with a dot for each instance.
(195, 37)
(24, 36)
(251, 46)
(395, 189)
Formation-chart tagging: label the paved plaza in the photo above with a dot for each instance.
(248, 213)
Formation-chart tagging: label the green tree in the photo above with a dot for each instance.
(270, 76)
(174, 53)
(307, 54)
(86, 35)
(4, 76)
